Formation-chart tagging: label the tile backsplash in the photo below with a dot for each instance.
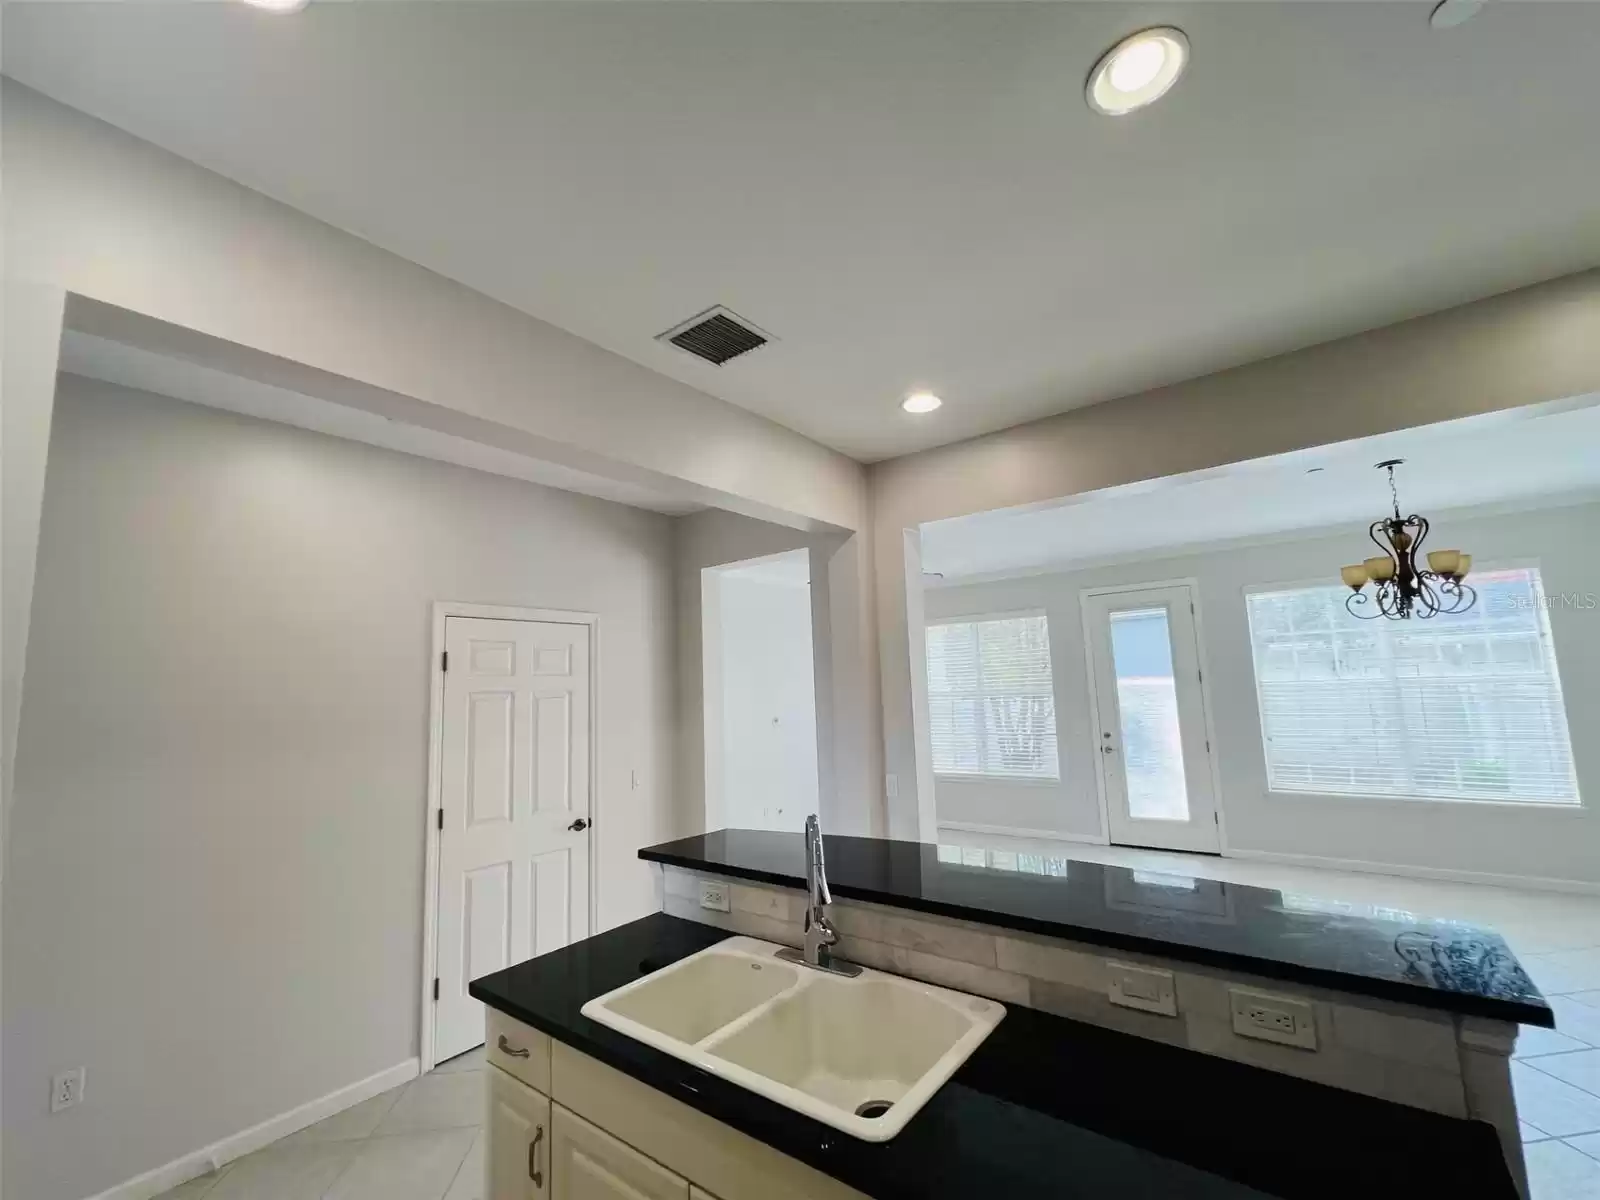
(1392, 1051)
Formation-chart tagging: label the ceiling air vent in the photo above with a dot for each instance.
(716, 335)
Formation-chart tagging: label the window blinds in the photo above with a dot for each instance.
(991, 707)
(1455, 707)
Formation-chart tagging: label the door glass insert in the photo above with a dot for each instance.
(1147, 701)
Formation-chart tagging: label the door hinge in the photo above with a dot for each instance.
(436, 989)
(441, 811)
(1216, 819)
(444, 661)
(1200, 675)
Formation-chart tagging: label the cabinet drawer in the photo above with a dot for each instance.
(518, 1050)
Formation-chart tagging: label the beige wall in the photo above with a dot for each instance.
(1532, 346)
(105, 216)
(216, 899)
(30, 343)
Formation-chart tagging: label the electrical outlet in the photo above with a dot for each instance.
(891, 786)
(66, 1090)
(1269, 1018)
(1148, 989)
(714, 895)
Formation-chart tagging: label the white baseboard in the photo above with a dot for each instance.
(1526, 883)
(218, 1154)
(1013, 831)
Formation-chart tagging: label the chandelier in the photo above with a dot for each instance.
(1399, 590)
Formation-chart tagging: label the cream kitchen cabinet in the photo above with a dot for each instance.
(517, 1160)
(562, 1126)
(587, 1163)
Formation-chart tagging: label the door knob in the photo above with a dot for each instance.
(1108, 749)
(579, 825)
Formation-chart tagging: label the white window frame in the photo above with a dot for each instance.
(1474, 804)
(1040, 781)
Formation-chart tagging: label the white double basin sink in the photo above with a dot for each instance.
(861, 1054)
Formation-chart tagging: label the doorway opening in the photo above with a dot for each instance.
(760, 693)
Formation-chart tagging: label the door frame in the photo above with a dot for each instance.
(1214, 758)
(443, 609)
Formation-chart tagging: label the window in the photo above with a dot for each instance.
(991, 710)
(1455, 707)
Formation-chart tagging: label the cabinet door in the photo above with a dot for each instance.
(517, 1165)
(587, 1163)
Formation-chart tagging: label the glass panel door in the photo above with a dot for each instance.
(1150, 722)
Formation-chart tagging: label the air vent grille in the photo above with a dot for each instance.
(716, 335)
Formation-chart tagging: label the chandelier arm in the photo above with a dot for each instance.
(1356, 601)
(1430, 604)
(1387, 548)
(1422, 527)
(1460, 595)
(1391, 600)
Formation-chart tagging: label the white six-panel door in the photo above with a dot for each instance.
(515, 794)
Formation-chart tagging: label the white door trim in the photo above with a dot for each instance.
(430, 870)
(1213, 757)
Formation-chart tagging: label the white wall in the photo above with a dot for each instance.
(1497, 840)
(761, 699)
(215, 901)
(849, 762)
(1532, 346)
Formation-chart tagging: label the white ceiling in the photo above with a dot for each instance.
(135, 367)
(1509, 460)
(908, 195)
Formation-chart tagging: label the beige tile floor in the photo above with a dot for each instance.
(420, 1141)
(423, 1141)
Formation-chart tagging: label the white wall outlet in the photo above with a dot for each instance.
(891, 786)
(1270, 1018)
(66, 1089)
(1148, 989)
(714, 895)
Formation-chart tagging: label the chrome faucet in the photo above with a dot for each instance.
(820, 935)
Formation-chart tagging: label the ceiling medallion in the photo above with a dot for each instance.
(1400, 591)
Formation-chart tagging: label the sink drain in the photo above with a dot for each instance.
(873, 1108)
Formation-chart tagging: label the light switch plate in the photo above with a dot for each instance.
(1148, 989)
(714, 895)
(1269, 1018)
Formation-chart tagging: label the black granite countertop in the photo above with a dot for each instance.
(1445, 965)
(1046, 1107)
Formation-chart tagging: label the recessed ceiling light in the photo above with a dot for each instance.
(278, 6)
(921, 402)
(1138, 70)
(1447, 14)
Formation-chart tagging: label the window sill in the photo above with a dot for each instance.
(1022, 780)
(1575, 806)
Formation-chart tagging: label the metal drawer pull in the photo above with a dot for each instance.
(533, 1154)
(507, 1048)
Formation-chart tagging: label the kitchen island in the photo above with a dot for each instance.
(1164, 1035)
(1420, 1012)
(1046, 1107)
